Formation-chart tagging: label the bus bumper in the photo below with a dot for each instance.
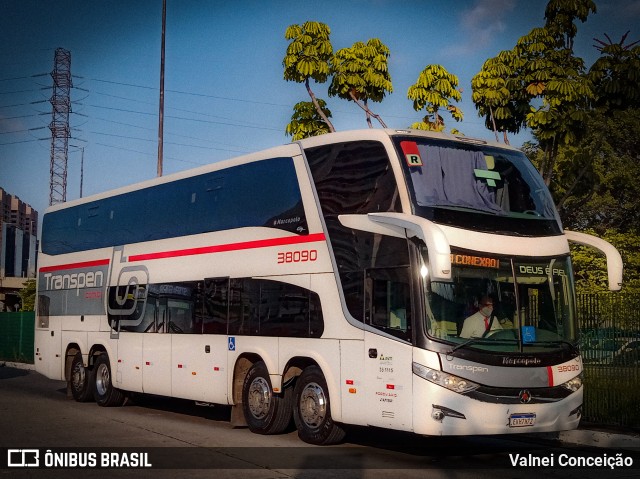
(441, 412)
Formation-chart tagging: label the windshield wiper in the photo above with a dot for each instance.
(470, 208)
(552, 343)
(466, 343)
(484, 340)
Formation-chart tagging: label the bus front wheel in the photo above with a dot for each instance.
(103, 390)
(80, 380)
(312, 409)
(264, 411)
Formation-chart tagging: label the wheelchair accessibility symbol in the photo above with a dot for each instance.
(528, 334)
(232, 344)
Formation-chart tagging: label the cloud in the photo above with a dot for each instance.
(481, 24)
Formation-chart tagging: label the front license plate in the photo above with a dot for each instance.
(522, 420)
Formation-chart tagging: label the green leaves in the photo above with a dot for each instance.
(361, 71)
(307, 57)
(616, 75)
(306, 122)
(308, 53)
(435, 89)
(544, 85)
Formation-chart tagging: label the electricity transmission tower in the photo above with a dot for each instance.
(61, 102)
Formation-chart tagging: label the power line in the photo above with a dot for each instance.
(16, 78)
(23, 141)
(17, 91)
(169, 133)
(23, 130)
(203, 95)
(174, 117)
(168, 142)
(154, 103)
(153, 154)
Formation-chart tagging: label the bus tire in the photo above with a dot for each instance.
(312, 409)
(264, 411)
(80, 380)
(103, 390)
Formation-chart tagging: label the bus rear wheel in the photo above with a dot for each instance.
(264, 411)
(312, 409)
(103, 390)
(80, 380)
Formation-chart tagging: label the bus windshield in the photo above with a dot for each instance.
(503, 304)
(476, 186)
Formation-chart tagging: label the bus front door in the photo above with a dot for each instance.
(388, 352)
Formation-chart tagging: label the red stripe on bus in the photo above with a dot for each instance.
(550, 375)
(85, 264)
(265, 243)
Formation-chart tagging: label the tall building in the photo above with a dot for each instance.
(18, 247)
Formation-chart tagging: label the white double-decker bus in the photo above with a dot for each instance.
(331, 281)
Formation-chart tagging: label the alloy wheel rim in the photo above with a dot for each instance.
(313, 405)
(103, 379)
(259, 398)
(78, 376)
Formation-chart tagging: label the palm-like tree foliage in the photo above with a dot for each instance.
(305, 121)
(361, 73)
(434, 90)
(307, 58)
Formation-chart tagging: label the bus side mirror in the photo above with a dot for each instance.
(614, 260)
(403, 225)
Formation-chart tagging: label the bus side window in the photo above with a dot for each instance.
(215, 299)
(289, 311)
(244, 297)
(181, 316)
(388, 301)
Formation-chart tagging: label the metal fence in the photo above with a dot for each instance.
(16, 336)
(610, 341)
(610, 346)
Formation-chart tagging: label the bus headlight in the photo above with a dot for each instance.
(573, 384)
(449, 381)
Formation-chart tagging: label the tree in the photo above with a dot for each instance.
(557, 78)
(307, 57)
(435, 89)
(305, 121)
(616, 74)
(597, 191)
(28, 295)
(498, 94)
(561, 16)
(361, 73)
(596, 180)
(543, 73)
(590, 268)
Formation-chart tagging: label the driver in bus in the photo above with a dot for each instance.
(481, 323)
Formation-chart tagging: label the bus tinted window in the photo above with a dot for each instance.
(241, 306)
(353, 177)
(215, 303)
(263, 193)
(157, 308)
(273, 308)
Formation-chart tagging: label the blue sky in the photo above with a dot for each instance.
(224, 91)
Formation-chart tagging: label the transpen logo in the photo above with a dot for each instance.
(77, 281)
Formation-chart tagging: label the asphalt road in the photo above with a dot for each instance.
(181, 439)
